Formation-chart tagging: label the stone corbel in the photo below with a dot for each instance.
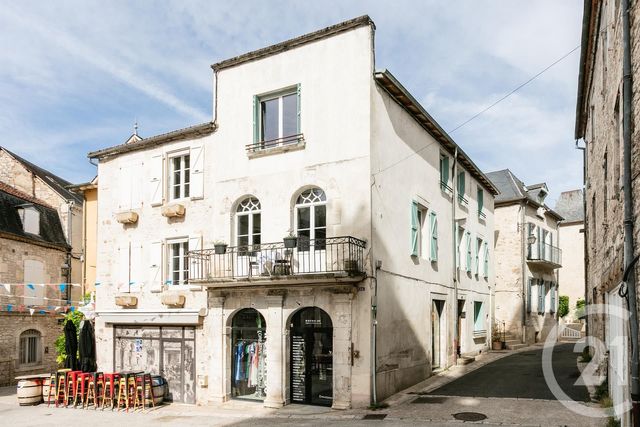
(126, 301)
(175, 210)
(128, 217)
(173, 300)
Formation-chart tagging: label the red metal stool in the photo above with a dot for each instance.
(110, 381)
(93, 390)
(70, 386)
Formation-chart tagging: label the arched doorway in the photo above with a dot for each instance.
(248, 355)
(311, 356)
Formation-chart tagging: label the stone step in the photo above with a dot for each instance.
(517, 346)
(465, 360)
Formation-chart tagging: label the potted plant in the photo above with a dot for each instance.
(220, 248)
(290, 241)
(496, 338)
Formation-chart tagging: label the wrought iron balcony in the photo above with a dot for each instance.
(336, 256)
(287, 141)
(544, 253)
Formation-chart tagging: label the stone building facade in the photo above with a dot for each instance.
(527, 259)
(32, 252)
(599, 131)
(371, 293)
(52, 190)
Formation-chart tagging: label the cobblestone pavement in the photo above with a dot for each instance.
(432, 402)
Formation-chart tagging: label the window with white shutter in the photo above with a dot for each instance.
(197, 172)
(155, 186)
(155, 276)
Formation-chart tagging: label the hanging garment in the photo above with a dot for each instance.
(251, 351)
(240, 371)
(254, 365)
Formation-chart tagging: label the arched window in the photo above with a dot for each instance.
(30, 347)
(311, 219)
(248, 223)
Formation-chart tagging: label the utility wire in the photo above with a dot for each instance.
(484, 110)
(516, 89)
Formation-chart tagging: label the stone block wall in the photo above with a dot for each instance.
(11, 326)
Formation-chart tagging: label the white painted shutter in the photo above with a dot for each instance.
(124, 187)
(136, 278)
(136, 185)
(155, 172)
(155, 266)
(122, 279)
(197, 172)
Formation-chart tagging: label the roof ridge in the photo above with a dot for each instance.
(4, 187)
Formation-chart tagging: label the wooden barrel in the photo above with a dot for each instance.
(30, 391)
(158, 385)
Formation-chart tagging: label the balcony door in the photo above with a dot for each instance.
(248, 238)
(311, 229)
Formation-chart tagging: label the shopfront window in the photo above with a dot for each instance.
(249, 374)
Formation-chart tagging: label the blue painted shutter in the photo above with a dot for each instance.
(414, 229)
(552, 304)
(486, 259)
(540, 296)
(299, 89)
(529, 295)
(476, 250)
(458, 243)
(434, 236)
(468, 251)
(256, 119)
(539, 254)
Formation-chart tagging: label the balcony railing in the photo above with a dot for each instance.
(544, 253)
(334, 255)
(273, 143)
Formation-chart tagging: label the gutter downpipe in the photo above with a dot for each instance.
(628, 209)
(456, 270)
(523, 227)
(585, 240)
(374, 307)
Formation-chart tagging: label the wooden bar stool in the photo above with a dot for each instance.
(80, 387)
(109, 384)
(53, 381)
(93, 391)
(70, 386)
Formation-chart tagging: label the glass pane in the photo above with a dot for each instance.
(186, 188)
(187, 159)
(175, 249)
(243, 241)
(176, 192)
(176, 278)
(243, 225)
(176, 163)
(269, 119)
(256, 224)
(321, 216)
(290, 115)
(304, 220)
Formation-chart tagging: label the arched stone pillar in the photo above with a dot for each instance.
(341, 318)
(217, 362)
(275, 349)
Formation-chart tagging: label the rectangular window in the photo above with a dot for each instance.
(433, 223)
(444, 172)
(30, 348)
(481, 214)
(478, 316)
(541, 296)
(277, 116)
(177, 261)
(179, 176)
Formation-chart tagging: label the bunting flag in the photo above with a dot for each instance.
(31, 311)
(9, 307)
(30, 286)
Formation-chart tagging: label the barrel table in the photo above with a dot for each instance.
(30, 389)
(158, 385)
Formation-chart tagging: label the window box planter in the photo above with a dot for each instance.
(220, 248)
(290, 242)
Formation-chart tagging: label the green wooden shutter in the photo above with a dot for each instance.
(458, 243)
(256, 120)
(444, 170)
(414, 229)
(434, 236)
(486, 259)
(529, 295)
(476, 250)
(299, 89)
(468, 251)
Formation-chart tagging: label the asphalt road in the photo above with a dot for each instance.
(520, 376)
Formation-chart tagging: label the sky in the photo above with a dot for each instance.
(76, 75)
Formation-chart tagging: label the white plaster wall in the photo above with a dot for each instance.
(572, 272)
(407, 285)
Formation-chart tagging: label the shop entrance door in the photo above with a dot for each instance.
(311, 357)
(248, 355)
(436, 333)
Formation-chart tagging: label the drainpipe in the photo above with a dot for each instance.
(628, 208)
(456, 271)
(523, 254)
(374, 305)
(585, 228)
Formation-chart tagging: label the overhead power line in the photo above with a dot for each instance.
(557, 61)
(563, 57)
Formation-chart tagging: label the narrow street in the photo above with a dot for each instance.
(503, 388)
